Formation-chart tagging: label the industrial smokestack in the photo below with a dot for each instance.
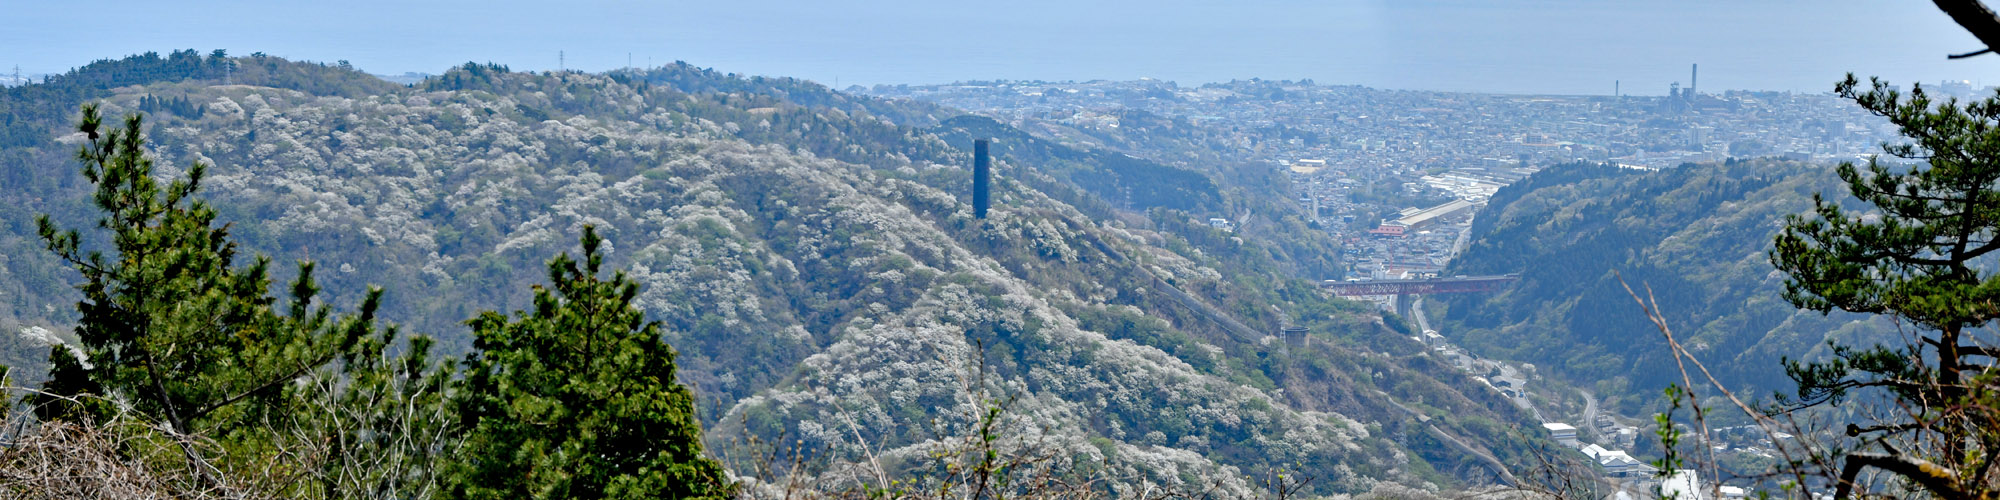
(982, 178)
(1693, 79)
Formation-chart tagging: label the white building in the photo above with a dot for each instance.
(1562, 433)
(1682, 485)
(1617, 462)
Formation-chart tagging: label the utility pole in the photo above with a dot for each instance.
(561, 62)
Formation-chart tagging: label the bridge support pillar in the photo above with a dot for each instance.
(1404, 303)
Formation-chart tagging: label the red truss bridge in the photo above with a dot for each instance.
(1426, 286)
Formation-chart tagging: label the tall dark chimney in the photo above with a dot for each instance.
(982, 178)
(1694, 78)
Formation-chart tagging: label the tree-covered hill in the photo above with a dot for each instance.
(1121, 179)
(31, 113)
(1697, 235)
(812, 256)
(1152, 162)
(37, 172)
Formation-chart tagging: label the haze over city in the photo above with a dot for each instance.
(1037, 250)
(1537, 46)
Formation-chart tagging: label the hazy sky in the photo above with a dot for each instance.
(1539, 46)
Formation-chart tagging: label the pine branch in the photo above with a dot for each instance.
(260, 388)
(1937, 479)
(1976, 19)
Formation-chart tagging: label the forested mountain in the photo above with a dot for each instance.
(38, 168)
(1697, 235)
(1144, 164)
(812, 255)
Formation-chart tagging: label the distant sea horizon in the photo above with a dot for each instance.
(1531, 47)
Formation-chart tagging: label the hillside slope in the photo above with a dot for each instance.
(1697, 235)
(815, 261)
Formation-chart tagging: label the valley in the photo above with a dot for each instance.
(882, 250)
(1147, 293)
(1436, 176)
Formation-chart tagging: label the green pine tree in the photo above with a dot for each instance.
(578, 399)
(1920, 250)
(174, 328)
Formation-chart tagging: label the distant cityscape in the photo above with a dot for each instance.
(1397, 176)
(1394, 174)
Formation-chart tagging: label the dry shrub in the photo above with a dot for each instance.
(63, 460)
(123, 458)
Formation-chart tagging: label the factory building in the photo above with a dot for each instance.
(1562, 433)
(1412, 219)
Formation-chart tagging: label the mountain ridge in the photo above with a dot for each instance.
(1694, 238)
(816, 263)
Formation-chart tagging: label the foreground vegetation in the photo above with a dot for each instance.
(811, 259)
(191, 375)
(1908, 418)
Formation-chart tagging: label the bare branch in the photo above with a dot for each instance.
(1976, 19)
(1937, 479)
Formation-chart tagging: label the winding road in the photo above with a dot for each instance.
(1590, 414)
